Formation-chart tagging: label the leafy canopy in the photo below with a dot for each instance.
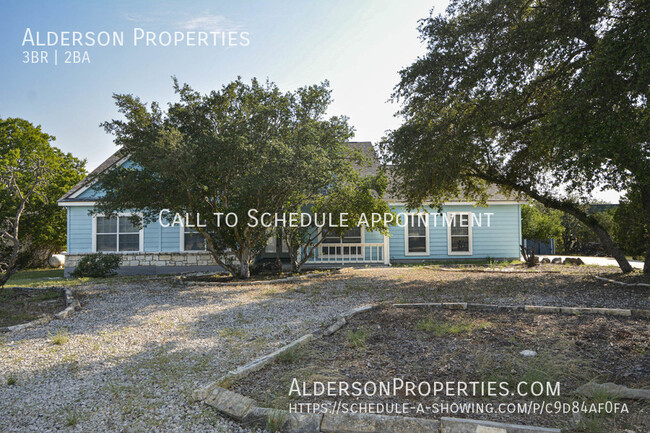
(545, 97)
(540, 223)
(33, 175)
(245, 146)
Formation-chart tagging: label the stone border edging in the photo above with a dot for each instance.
(71, 303)
(262, 282)
(460, 425)
(621, 283)
(256, 364)
(245, 409)
(529, 308)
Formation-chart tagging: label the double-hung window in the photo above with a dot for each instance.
(459, 234)
(417, 234)
(116, 234)
(192, 240)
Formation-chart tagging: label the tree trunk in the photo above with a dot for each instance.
(295, 263)
(11, 264)
(645, 203)
(244, 265)
(608, 244)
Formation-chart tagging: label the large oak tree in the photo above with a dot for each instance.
(542, 97)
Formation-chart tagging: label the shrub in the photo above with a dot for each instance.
(98, 265)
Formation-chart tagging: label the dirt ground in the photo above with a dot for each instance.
(425, 344)
(130, 359)
(20, 306)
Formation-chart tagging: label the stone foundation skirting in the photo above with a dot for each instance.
(152, 263)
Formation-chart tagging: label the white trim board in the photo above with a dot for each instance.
(406, 237)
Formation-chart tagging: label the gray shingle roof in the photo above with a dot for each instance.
(365, 147)
(111, 161)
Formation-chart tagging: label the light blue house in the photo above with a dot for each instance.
(462, 232)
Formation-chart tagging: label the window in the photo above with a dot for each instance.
(193, 240)
(335, 245)
(116, 234)
(272, 245)
(417, 235)
(459, 234)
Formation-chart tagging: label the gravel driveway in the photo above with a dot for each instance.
(135, 351)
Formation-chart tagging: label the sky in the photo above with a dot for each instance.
(358, 45)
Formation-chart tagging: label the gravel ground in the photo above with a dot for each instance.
(129, 360)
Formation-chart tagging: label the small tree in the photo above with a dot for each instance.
(357, 196)
(33, 174)
(538, 222)
(240, 148)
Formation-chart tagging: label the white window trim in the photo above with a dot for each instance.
(182, 242)
(470, 222)
(94, 235)
(406, 235)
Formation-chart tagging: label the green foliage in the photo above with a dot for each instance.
(33, 175)
(544, 98)
(630, 229)
(354, 195)
(60, 338)
(539, 222)
(357, 338)
(245, 146)
(98, 265)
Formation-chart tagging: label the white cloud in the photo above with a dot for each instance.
(208, 22)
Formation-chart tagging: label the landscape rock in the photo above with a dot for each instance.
(368, 423)
(528, 353)
(282, 420)
(557, 261)
(456, 425)
(230, 403)
(573, 261)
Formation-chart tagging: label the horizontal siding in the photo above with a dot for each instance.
(498, 240)
(80, 230)
(156, 237)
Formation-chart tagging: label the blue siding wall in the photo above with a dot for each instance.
(156, 237)
(80, 230)
(500, 240)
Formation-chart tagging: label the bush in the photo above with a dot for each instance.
(98, 265)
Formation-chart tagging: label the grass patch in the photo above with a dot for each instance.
(357, 338)
(71, 418)
(54, 277)
(28, 278)
(60, 338)
(447, 327)
(275, 420)
(12, 380)
(47, 295)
